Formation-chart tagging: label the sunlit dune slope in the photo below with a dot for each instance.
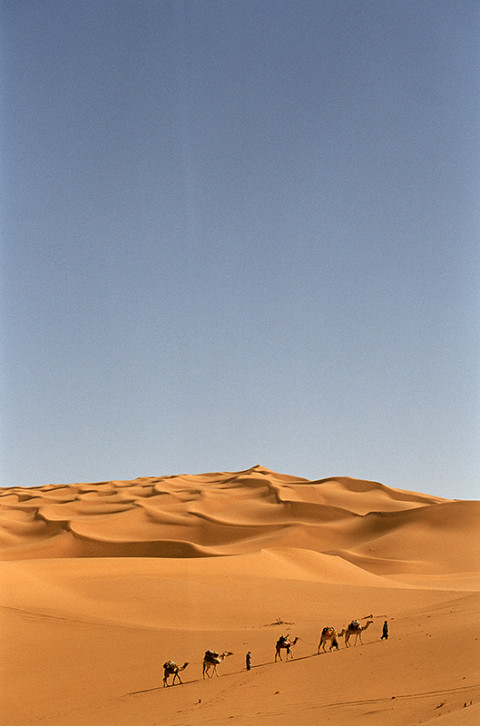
(366, 524)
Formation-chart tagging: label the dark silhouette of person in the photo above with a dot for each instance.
(385, 631)
(248, 660)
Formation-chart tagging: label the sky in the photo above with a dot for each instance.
(241, 233)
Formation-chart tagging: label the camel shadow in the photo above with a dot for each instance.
(146, 690)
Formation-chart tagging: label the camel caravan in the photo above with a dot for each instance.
(329, 636)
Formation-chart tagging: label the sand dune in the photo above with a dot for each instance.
(103, 582)
(225, 514)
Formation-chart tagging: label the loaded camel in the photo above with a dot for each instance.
(171, 668)
(356, 629)
(284, 642)
(329, 634)
(211, 659)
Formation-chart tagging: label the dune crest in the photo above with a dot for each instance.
(367, 524)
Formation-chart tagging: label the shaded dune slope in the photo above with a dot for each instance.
(377, 528)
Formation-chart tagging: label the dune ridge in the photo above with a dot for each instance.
(223, 514)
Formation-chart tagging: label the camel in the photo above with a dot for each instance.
(211, 659)
(357, 631)
(330, 634)
(171, 668)
(284, 642)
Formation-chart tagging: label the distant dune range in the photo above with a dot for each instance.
(365, 523)
(102, 582)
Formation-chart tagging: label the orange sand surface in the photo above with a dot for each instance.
(102, 583)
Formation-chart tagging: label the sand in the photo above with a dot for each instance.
(102, 583)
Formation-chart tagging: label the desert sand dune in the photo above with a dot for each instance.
(101, 583)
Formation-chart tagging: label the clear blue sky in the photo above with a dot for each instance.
(239, 233)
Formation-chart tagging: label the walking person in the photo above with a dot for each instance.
(385, 631)
(248, 661)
